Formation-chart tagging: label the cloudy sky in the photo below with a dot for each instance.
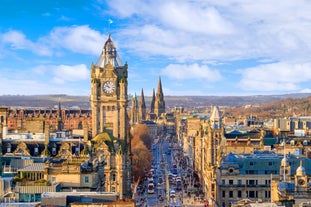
(197, 47)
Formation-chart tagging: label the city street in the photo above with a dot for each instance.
(169, 182)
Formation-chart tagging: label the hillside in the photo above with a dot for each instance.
(275, 104)
(286, 107)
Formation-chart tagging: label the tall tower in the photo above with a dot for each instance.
(109, 93)
(142, 107)
(109, 101)
(215, 144)
(159, 104)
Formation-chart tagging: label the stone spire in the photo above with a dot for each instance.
(159, 105)
(216, 119)
(59, 117)
(142, 107)
(134, 110)
(152, 102)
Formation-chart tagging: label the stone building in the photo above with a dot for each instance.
(31, 119)
(97, 161)
(110, 121)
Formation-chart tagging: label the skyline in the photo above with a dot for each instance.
(196, 47)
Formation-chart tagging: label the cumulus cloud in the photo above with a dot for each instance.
(282, 76)
(78, 39)
(193, 71)
(63, 73)
(205, 20)
(16, 40)
(223, 30)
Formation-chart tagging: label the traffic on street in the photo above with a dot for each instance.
(170, 180)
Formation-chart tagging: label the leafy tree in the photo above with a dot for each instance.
(142, 155)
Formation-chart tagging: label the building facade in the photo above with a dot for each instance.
(110, 121)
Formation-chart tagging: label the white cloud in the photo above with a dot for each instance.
(78, 39)
(217, 30)
(194, 71)
(283, 76)
(205, 20)
(18, 41)
(63, 73)
(46, 79)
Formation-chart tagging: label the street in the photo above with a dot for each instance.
(170, 181)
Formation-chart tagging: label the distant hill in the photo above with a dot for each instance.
(282, 108)
(49, 101)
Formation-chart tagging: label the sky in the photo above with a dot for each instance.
(197, 47)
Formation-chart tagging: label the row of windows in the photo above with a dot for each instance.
(109, 108)
(252, 163)
(248, 182)
(249, 194)
(256, 172)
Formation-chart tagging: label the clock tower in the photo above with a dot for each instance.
(110, 122)
(109, 93)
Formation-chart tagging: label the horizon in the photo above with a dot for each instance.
(197, 48)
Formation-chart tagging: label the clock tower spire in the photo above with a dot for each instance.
(109, 93)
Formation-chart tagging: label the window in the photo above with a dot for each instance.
(239, 194)
(223, 194)
(231, 170)
(251, 194)
(270, 163)
(230, 194)
(252, 182)
(223, 182)
(239, 182)
(86, 179)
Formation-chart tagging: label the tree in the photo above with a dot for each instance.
(142, 131)
(142, 155)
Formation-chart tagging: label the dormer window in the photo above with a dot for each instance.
(36, 150)
(77, 151)
(8, 148)
(54, 151)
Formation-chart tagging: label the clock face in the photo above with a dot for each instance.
(301, 182)
(108, 87)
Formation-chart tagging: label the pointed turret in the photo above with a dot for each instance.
(109, 55)
(59, 117)
(142, 107)
(152, 102)
(159, 105)
(216, 119)
(134, 111)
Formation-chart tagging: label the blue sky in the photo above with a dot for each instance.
(215, 47)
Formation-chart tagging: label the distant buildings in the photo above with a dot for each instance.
(62, 150)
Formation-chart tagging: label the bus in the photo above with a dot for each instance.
(150, 188)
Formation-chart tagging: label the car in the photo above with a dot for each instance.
(150, 179)
(160, 181)
(172, 194)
